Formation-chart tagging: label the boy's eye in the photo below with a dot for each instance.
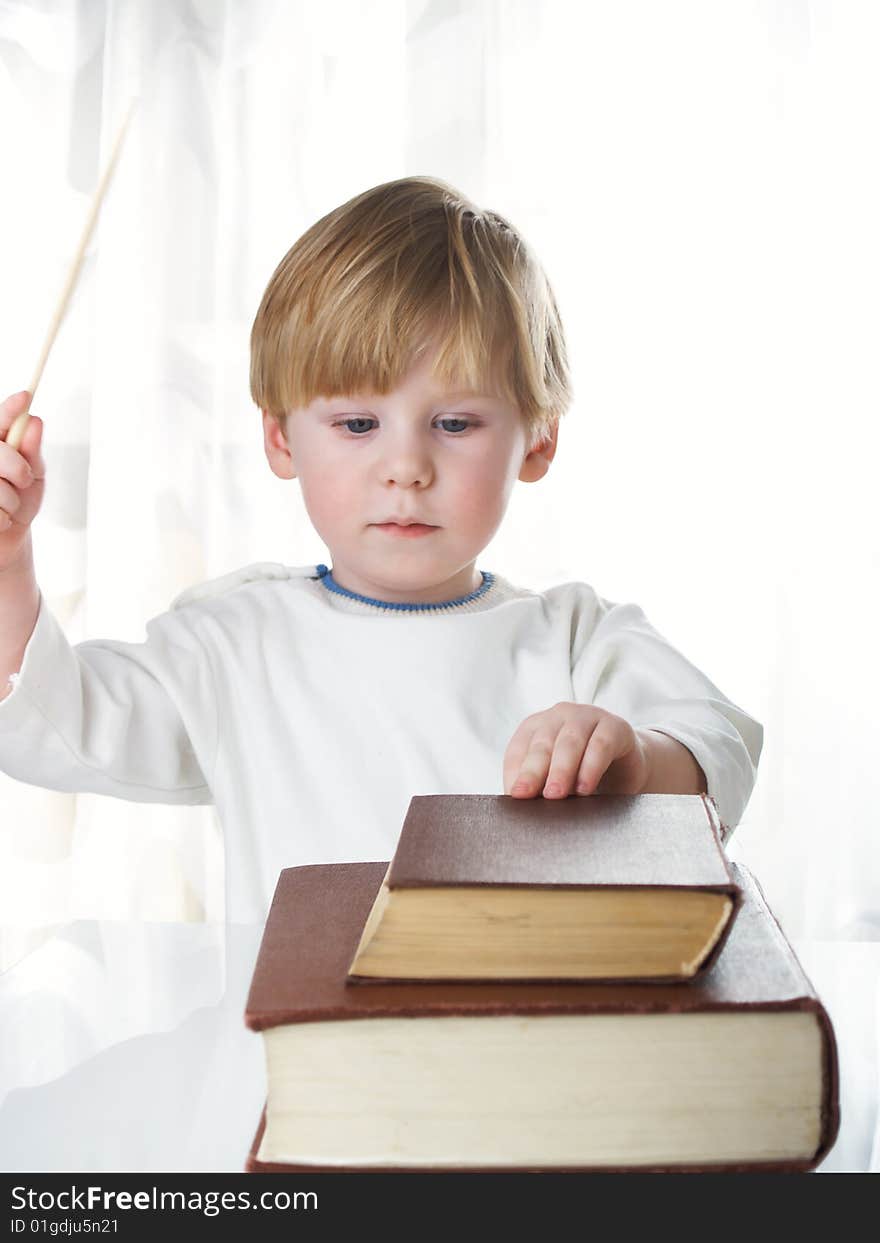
(348, 423)
(357, 425)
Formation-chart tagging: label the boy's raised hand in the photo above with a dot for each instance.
(571, 748)
(22, 479)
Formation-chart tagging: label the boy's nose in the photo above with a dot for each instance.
(407, 467)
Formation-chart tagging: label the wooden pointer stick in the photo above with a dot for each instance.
(16, 432)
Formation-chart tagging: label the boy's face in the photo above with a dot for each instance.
(419, 454)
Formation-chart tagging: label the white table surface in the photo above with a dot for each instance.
(123, 1048)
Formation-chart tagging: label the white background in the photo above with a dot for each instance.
(701, 184)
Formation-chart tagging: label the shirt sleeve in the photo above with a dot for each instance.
(629, 669)
(112, 718)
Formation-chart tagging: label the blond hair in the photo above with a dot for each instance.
(356, 299)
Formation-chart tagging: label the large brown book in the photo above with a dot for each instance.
(613, 887)
(733, 1071)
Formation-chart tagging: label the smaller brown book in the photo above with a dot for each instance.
(609, 887)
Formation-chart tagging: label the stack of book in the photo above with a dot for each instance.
(579, 985)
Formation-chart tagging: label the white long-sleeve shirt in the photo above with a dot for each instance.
(310, 717)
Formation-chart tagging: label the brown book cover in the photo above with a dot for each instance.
(606, 839)
(664, 841)
(315, 921)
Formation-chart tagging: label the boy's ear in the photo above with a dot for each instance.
(537, 461)
(277, 450)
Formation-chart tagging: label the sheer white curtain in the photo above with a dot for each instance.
(697, 180)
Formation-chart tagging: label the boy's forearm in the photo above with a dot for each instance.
(19, 607)
(672, 768)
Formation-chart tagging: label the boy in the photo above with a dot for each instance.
(410, 365)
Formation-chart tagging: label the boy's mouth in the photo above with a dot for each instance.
(410, 529)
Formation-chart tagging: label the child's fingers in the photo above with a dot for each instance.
(10, 500)
(10, 503)
(517, 750)
(31, 448)
(603, 748)
(529, 779)
(10, 409)
(24, 464)
(27, 439)
(568, 751)
(15, 468)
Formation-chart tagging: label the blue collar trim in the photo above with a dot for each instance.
(326, 577)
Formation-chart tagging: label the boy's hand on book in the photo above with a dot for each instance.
(575, 749)
(22, 475)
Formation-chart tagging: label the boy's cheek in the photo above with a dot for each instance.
(328, 501)
(483, 490)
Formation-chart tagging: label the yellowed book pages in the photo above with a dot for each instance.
(532, 933)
